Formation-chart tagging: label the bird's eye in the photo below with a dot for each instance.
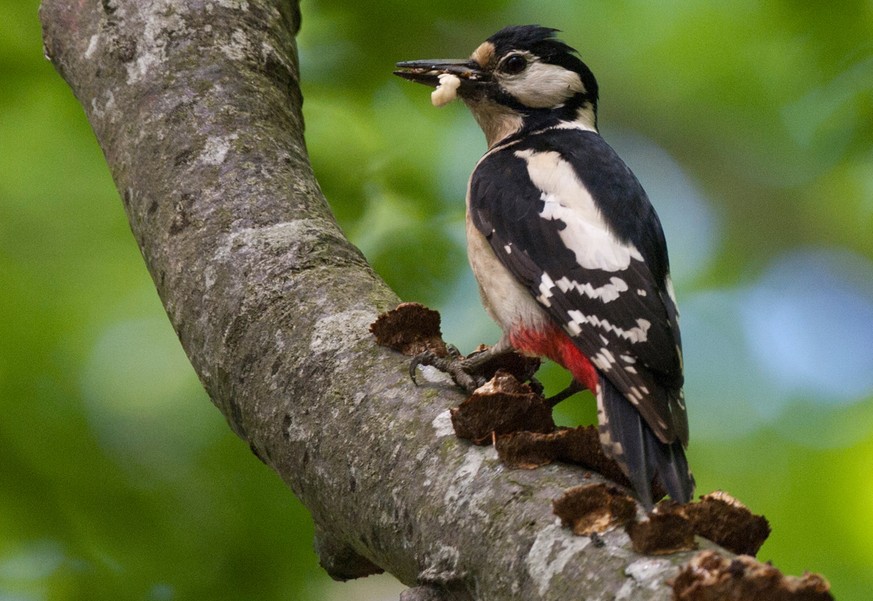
(514, 64)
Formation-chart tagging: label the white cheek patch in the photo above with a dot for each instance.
(542, 85)
(446, 91)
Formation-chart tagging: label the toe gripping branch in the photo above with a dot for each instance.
(414, 330)
(475, 370)
(452, 363)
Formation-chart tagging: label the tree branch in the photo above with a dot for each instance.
(196, 106)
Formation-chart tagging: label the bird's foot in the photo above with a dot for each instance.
(474, 370)
(461, 369)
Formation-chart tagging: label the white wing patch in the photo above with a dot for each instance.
(612, 448)
(606, 293)
(637, 334)
(546, 287)
(635, 394)
(604, 359)
(668, 284)
(567, 200)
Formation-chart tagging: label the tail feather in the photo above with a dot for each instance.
(671, 467)
(627, 438)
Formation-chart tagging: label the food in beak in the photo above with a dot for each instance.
(446, 91)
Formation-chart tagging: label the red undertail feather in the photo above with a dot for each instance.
(554, 343)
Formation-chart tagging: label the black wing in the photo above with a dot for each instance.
(601, 273)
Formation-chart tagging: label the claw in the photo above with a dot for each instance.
(425, 358)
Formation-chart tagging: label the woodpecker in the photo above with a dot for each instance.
(568, 251)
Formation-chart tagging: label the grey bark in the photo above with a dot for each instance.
(196, 106)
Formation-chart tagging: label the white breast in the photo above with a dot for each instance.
(506, 301)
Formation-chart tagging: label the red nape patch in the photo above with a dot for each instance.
(554, 343)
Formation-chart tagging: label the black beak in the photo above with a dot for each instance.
(427, 72)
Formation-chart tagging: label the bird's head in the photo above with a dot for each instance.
(522, 77)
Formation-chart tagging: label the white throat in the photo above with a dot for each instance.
(497, 121)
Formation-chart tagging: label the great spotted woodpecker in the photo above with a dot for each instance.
(568, 252)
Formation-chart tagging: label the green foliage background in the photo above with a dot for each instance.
(118, 479)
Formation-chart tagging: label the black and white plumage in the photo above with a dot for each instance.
(568, 252)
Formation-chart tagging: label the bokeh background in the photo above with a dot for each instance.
(749, 123)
